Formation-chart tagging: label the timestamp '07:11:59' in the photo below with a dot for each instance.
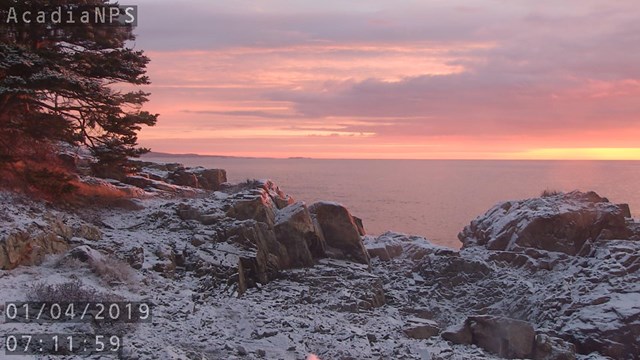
(61, 344)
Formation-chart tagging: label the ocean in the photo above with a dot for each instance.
(430, 198)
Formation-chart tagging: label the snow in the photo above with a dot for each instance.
(314, 310)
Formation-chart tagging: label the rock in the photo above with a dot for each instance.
(340, 232)
(359, 225)
(279, 198)
(295, 231)
(166, 264)
(259, 207)
(86, 254)
(552, 348)
(561, 222)
(208, 179)
(264, 256)
(88, 232)
(378, 251)
(458, 334)
(183, 177)
(187, 212)
(135, 257)
(24, 248)
(421, 328)
(241, 350)
(626, 210)
(138, 181)
(505, 337)
(211, 179)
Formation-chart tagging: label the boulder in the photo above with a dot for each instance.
(340, 232)
(183, 177)
(458, 334)
(378, 251)
(85, 254)
(166, 261)
(208, 179)
(552, 348)
(211, 179)
(417, 328)
(505, 337)
(258, 207)
(295, 231)
(561, 222)
(135, 257)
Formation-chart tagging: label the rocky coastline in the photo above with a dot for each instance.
(243, 271)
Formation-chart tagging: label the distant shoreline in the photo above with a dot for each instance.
(171, 155)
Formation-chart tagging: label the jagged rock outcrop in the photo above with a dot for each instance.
(286, 234)
(565, 223)
(340, 232)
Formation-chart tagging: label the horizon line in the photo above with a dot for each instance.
(167, 154)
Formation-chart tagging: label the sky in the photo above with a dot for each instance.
(428, 79)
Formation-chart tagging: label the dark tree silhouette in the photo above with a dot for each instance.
(70, 83)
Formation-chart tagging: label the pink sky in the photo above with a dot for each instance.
(505, 79)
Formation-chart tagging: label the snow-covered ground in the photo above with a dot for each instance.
(333, 309)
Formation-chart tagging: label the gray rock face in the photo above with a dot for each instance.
(563, 223)
(340, 232)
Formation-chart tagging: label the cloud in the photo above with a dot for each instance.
(479, 72)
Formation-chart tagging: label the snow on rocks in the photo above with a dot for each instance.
(565, 223)
(193, 256)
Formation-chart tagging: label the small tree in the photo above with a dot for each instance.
(65, 83)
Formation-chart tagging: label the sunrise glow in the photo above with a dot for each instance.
(469, 80)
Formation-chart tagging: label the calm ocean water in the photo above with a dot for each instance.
(431, 198)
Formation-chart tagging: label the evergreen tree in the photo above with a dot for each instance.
(66, 83)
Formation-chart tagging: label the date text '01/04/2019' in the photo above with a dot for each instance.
(68, 312)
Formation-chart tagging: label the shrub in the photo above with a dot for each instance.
(75, 291)
(112, 270)
(108, 269)
(71, 291)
